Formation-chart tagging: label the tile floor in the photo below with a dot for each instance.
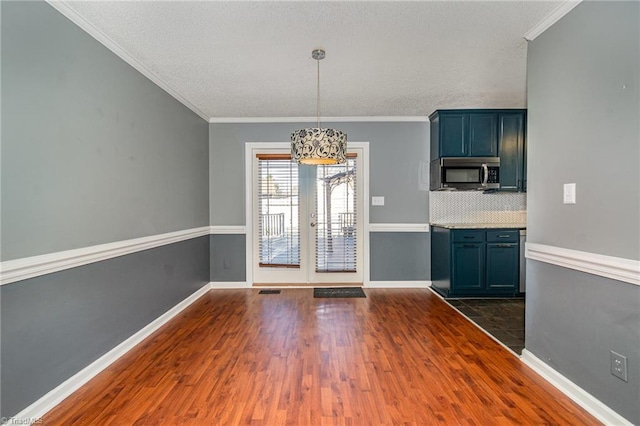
(502, 318)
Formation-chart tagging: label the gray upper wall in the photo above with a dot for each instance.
(92, 151)
(583, 127)
(396, 150)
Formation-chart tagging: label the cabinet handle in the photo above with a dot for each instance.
(468, 237)
(506, 245)
(469, 245)
(504, 236)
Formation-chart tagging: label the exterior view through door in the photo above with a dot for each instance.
(306, 221)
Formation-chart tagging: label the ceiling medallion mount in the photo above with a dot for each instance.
(316, 145)
(318, 54)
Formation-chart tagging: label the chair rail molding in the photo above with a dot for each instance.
(616, 268)
(31, 267)
(227, 229)
(398, 227)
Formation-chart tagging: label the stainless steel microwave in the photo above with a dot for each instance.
(465, 173)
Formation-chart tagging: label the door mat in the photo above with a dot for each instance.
(269, 292)
(336, 292)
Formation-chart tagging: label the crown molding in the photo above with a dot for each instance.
(615, 268)
(551, 19)
(361, 119)
(71, 14)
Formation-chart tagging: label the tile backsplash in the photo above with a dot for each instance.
(477, 207)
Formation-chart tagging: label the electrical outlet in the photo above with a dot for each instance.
(226, 264)
(619, 366)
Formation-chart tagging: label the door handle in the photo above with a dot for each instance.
(312, 224)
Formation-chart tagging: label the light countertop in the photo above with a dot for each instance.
(492, 225)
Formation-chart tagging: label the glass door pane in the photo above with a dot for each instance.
(278, 212)
(336, 217)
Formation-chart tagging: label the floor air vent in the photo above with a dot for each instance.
(269, 292)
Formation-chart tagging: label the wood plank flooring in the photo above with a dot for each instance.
(395, 357)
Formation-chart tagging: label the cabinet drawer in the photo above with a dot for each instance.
(503, 236)
(467, 236)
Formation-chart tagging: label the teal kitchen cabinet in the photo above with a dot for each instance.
(512, 149)
(475, 262)
(467, 266)
(484, 133)
(453, 135)
(464, 133)
(502, 266)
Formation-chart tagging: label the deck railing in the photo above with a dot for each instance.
(347, 223)
(272, 225)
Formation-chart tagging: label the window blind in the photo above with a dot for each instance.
(278, 211)
(336, 236)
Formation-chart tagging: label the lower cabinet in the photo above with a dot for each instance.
(475, 262)
(467, 268)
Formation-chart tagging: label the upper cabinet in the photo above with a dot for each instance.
(512, 149)
(484, 133)
(460, 133)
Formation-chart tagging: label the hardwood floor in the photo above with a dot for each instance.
(395, 357)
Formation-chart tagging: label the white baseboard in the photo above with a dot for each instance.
(581, 397)
(371, 284)
(226, 285)
(398, 284)
(66, 388)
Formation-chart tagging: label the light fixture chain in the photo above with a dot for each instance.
(318, 106)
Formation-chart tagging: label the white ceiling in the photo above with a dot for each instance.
(253, 59)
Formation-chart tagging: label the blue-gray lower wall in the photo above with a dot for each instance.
(55, 325)
(399, 256)
(573, 321)
(394, 256)
(228, 257)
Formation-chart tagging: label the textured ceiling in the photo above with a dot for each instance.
(253, 59)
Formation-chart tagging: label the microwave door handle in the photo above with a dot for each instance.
(486, 174)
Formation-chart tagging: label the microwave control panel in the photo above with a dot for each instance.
(494, 175)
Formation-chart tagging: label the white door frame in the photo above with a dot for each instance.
(249, 148)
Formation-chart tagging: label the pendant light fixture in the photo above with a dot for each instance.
(316, 145)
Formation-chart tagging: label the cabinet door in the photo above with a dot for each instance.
(454, 138)
(467, 267)
(483, 135)
(511, 151)
(502, 267)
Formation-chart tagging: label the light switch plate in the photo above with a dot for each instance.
(569, 193)
(377, 201)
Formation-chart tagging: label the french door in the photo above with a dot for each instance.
(306, 220)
